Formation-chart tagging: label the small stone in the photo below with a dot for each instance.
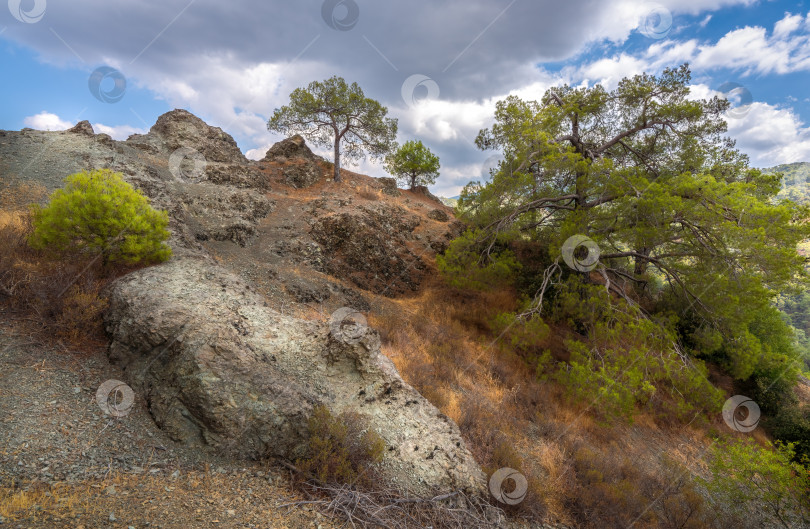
(112, 517)
(110, 490)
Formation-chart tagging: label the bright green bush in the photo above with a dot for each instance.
(98, 213)
(761, 485)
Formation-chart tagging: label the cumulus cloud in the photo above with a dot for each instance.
(47, 121)
(771, 135)
(233, 63)
(118, 132)
(748, 49)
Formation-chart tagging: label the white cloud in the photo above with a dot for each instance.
(118, 132)
(257, 153)
(752, 50)
(232, 64)
(787, 25)
(749, 49)
(47, 121)
(771, 135)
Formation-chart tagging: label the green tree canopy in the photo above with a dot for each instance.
(97, 213)
(413, 164)
(334, 113)
(683, 225)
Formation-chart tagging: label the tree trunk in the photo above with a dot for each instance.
(413, 181)
(337, 159)
(641, 264)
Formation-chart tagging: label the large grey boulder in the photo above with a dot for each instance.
(219, 368)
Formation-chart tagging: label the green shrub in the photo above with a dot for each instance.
(623, 359)
(341, 449)
(792, 425)
(465, 269)
(525, 334)
(98, 213)
(762, 486)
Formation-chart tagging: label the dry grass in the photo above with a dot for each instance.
(368, 193)
(40, 501)
(195, 499)
(63, 297)
(580, 470)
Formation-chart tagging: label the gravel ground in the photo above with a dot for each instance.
(64, 463)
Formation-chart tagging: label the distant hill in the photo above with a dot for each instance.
(452, 201)
(796, 185)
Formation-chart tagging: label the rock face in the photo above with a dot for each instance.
(218, 368)
(82, 127)
(389, 186)
(371, 249)
(302, 166)
(423, 190)
(439, 215)
(180, 128)
(291, 148)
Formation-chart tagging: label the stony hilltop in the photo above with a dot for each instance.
(231, 344)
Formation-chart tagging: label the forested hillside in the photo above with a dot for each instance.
(796, 181)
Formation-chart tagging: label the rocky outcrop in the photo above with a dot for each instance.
(302, 168)
(423, 190)
(389, 186)
(199, 338)
(196, 151)
(302, 174)
(289, 149)
(223, 213)
(179, 128)
(82, 127)
(371, 249)
(439, 215)
(220, 369)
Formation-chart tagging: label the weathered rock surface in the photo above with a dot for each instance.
(302, 168)
(439, 215)
(82, 127)
(197, 151)
(180, 128)
(288, 149)
(370, 249)
(389, 186)
(423, 190)
(220, 369)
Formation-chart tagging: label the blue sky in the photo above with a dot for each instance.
(439, 67)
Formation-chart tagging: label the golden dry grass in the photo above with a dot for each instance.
(441, 341)
(196, 499)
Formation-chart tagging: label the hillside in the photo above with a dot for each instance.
(289, 293)
(796, 183)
